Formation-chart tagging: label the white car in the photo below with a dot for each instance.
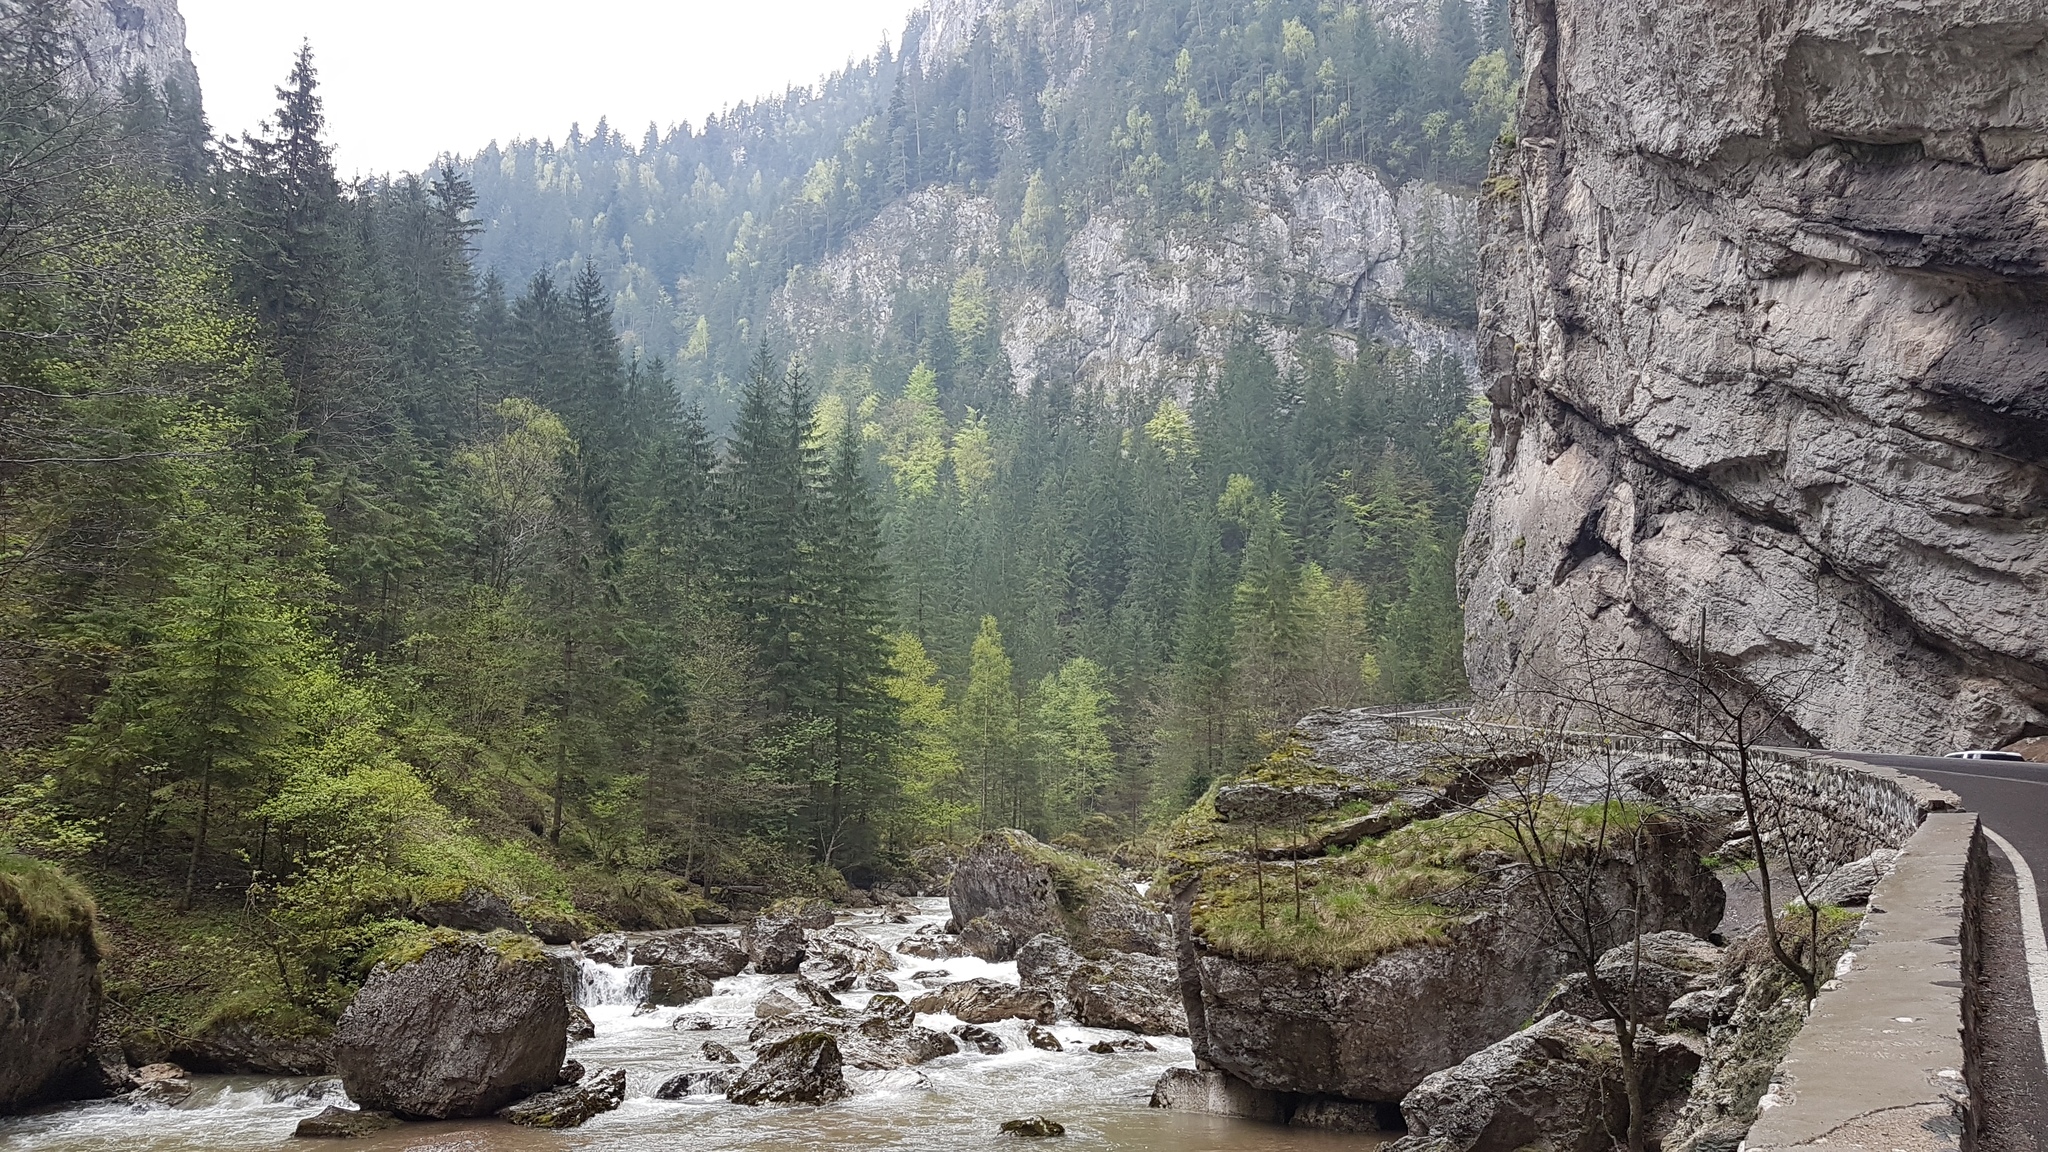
(1986, 754)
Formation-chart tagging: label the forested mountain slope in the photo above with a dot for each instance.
(343, 577)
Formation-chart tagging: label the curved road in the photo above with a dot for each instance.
(2012, 801)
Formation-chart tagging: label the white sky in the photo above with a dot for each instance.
(405, 80)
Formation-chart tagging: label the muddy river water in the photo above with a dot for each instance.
(953, 1103)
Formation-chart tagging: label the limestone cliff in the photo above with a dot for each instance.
(1303, 251)
(1762, 319)
(114, 38)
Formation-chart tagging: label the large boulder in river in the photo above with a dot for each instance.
(1378, 990)
(775, 940)
(838, 958)
(1557, 1082)
(470, 1025)
(804, 1069)
(49, 984)
(1009, 887)
(1131, 991)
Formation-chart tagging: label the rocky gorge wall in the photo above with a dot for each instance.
(1762, 324)
(1303, 251)
(114, 38)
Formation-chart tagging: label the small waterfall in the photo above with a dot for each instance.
(603, 986)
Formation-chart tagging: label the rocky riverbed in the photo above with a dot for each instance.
(949, 1102)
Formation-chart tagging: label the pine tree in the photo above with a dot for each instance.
(850, 653)
(989, 733)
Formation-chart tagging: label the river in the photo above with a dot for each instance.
(952, 1103)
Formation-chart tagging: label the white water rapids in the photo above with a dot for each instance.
(951, 1103)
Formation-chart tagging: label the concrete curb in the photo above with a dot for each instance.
(1880, 1062)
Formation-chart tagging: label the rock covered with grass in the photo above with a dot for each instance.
(1009, 887)
(457, 1026)
(1354, 971)
(49, 983)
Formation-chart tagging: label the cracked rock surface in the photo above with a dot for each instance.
(1763, 325)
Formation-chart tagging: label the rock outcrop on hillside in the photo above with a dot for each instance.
(114, 38)
(1322, 249)
(1763, 323)
(49, 984)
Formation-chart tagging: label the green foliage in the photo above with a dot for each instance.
(39, 902)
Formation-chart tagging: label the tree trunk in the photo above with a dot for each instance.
(199, 841)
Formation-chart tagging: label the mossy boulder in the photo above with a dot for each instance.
(455, 1026)
(1010, 887)
(49, 984)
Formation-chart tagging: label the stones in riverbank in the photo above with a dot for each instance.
(336, 1123)
(774, 941)
(570, 1105)
(1034, 1128)
(804, 1069)
(707, 1083)
(471, 1025)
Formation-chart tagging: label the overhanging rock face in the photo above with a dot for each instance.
(1764, 327)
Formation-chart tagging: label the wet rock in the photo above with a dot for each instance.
(472, 1025)
(774, 1005)
(1558, 1081)
(879, 983)
(111, 1075)
(247, 1047)
(1851, 885)
(1335, 1114)
(1036, 1127)
(985, 1001)
(334, 1123)
(570, 1105)
(695, 1084)
(719, 1053)
(1121, 1044)
(893, 1009)
(1009, 888)
(550, 928)
(774, 942)
(475, 910)
(581, 1027)
(713, 955)
(931, 976)
(932, 943)
(1045, 963)
(980, 1039)
(1216, 1093)
(1043, 1039)
(808, 991)
(163, 1082)
(49, 985)
(1129, 991)
(876, 1045)
(838, 958)
(671, 986)
(571, 1073)
(804, 1069)
(1670, 965)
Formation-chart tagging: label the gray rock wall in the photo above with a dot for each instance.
(1305, 250)
(114, 38)
(1762, 321)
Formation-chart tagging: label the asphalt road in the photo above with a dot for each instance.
(2012, 801)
